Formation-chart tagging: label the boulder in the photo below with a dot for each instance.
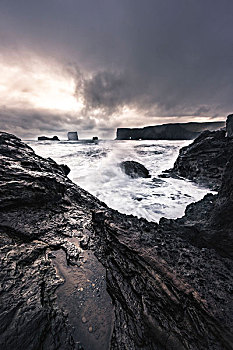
(134, 169)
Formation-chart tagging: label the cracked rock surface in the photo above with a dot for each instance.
(171, 284)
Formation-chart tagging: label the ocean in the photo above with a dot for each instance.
(95, 168)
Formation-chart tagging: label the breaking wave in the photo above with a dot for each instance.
(95, 167)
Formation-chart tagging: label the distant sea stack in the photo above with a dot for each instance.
(72, 136)
(45, 138)
(176, 131)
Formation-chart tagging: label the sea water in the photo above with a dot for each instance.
(95, 167)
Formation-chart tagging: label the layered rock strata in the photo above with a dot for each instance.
(171, 284)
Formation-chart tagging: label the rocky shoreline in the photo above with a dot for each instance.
(204, 161)
(170, 284)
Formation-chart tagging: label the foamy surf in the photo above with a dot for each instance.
(95, 167)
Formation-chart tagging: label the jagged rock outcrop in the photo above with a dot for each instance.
(173, 131)
(229, 126)
(168, 294)
(45, 138)
(134, 169)
(171, 288)
(221, 216)
(36, 217)
(205, 159)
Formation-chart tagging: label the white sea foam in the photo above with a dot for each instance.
(95, 167)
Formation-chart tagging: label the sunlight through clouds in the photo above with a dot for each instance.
(39, 84)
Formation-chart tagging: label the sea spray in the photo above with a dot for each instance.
(95, 167)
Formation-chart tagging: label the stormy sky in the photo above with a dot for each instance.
(95, 65)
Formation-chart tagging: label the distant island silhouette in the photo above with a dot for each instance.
(171, 131)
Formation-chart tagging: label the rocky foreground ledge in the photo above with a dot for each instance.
(171, 285)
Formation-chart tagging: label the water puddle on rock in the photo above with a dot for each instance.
(83, 295)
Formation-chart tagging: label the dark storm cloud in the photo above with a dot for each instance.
(108, 91)
(173, 54)
(176, 54)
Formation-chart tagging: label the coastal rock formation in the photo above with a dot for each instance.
(134, 169)
(167, 293)
(205, 159)
(171, 283)
(36, 218)
(45, 138)
(72, 136)
(176, 131)
(229, 126)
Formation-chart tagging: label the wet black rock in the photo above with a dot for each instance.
(134, 169)
(163, 287)
(36, 217)
(205, 159)
(45, 138)
(171, 283)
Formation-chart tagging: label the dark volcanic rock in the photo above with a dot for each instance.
(229, 126)
(170, 283)
(36, 217)
(45, 138)
(134, 169)
(173, 131)
(205, 159)
(34, 180)
(162, 286)
(222, 214)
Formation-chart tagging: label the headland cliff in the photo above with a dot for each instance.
(176, 131)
